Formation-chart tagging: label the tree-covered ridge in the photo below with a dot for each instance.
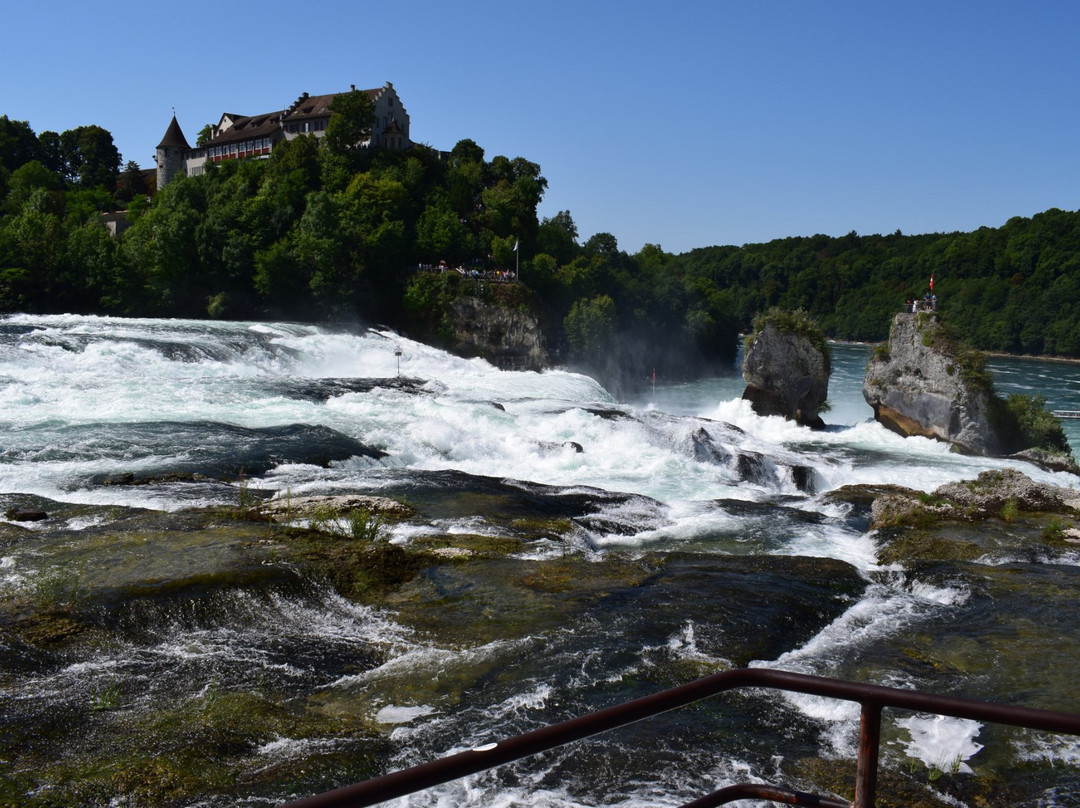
(1009, 289)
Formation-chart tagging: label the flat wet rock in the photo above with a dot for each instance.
(323, 389)
(743, 608)
(193, 451)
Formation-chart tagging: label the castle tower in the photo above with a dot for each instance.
(170, 153)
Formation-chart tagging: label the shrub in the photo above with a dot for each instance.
(1023, 422)
(365, 525)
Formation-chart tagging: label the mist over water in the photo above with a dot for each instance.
(296, 410)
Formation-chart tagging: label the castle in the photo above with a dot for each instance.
(237, 136)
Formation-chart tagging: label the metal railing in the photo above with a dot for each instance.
(872, 698)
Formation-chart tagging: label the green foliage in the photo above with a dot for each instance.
(107, 697)
(940, 334)
(351, 117)
(1054, 530)
(58, 586)
(91, 159)
(427, 302)
(18, 144)
(360, 524)
(591, 326)
(330, 230)
(1033, 426)
(363, 525)
(1009, 510)
(1005, 289)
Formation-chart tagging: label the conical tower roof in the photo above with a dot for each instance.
(174, 137)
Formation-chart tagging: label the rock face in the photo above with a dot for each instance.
(508, 337)
(972, 500)
(916, 386)
(786, 375)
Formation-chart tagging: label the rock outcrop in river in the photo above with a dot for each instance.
(505, 336)
(920, 383)
(787, 370)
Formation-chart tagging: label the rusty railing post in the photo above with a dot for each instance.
(867, 765)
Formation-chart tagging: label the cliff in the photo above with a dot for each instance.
(786, 373)
(505, 336)
(920, 383)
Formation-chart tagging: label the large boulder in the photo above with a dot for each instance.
(921, 383)
(786, 374)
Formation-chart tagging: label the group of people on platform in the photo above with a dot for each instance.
(505, 275)
(927, 303)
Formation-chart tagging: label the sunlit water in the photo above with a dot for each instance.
(84, 398)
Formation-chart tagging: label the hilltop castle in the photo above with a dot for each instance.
(237, 136)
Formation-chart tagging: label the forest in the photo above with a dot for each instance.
(1010, 289)
(324, 231)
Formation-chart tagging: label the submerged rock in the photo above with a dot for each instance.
(786, 374)
(25, 515)
(921, 383)
(201, 451)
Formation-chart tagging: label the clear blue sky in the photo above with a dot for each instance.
(684, 124)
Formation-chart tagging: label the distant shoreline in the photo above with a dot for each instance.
(1065, 360)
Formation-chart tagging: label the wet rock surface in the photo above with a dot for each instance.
(146, 599)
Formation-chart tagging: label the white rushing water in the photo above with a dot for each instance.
(74, 390)
(83, 397)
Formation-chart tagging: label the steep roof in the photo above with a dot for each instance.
(174, 137)
(244, 128)
(318, 106)
(309, 106)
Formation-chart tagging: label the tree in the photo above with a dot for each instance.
(18, 144)
(51, 153)
(441, 235)
(557, 236)
(603, 244)
(464, 152)
(26, 179)
(90, 157)
(352, 115)
(131, 182)
(590, 327)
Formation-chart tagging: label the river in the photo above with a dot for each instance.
(703, 539)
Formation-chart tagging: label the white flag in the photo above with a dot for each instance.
(515, 246)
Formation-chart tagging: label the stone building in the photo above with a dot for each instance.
(254, 136)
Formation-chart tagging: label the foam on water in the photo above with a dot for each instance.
(941, 742)
(394, 714)
(884, 610)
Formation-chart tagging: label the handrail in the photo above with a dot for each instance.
(873, 699)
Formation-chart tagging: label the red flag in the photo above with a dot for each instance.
(931, 281)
